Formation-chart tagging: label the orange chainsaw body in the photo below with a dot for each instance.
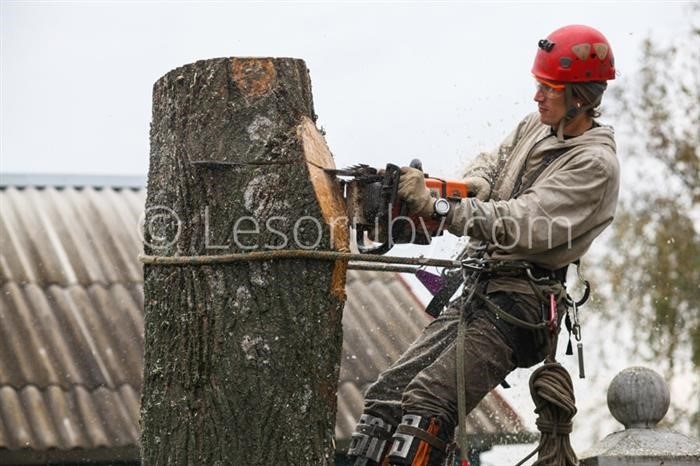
(420, 230)
(449, 189)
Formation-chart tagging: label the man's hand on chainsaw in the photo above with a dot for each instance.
(478, 187)
(413, 191)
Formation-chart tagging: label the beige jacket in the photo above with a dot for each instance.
(554, 221)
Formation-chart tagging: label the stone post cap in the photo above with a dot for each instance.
(638, 397)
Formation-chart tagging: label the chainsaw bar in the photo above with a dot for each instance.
(359, 171)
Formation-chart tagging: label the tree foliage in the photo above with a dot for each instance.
(655, 266)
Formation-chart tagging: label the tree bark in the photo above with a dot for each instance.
(242, 359)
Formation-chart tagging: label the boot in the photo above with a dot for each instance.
(370, 441)
(420, 441)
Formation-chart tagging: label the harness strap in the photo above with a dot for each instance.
(521, 185)
(557, 275)
(423, 435)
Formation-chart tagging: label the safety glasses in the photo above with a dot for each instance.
(548, 88)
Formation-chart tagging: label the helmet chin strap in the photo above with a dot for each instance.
(571, 111)
(560, 130)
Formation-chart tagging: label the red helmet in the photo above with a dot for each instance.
(574, 54)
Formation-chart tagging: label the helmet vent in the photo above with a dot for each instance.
(601, 50)
(565, 62)
(582, 51)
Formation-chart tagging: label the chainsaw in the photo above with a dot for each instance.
(379, 217)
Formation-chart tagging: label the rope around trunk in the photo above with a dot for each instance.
(553, 393)
(295, 254)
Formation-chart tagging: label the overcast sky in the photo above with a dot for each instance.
(391, 81)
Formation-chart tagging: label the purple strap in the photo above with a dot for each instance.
(431, 281)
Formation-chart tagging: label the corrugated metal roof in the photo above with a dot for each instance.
(71, 326)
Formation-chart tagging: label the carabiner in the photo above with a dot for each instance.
(586, 290)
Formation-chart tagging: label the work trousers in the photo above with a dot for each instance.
(424, 379)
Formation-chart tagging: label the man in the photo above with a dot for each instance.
(540, 200)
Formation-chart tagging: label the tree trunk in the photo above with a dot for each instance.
(241, 359)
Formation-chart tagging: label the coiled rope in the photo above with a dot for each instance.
(553, 393)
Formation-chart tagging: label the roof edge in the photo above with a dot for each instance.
(109, 455)
(116, 388)
(57, 180)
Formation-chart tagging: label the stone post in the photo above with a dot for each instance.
(639, 398)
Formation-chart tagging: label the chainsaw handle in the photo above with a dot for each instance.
(418, 165)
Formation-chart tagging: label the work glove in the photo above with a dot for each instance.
(413, 192)
(478, 187)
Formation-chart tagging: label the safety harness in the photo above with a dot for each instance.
(558, 407)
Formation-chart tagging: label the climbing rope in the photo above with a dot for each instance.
(553, 393)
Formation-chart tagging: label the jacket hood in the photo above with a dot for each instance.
(602, 135)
